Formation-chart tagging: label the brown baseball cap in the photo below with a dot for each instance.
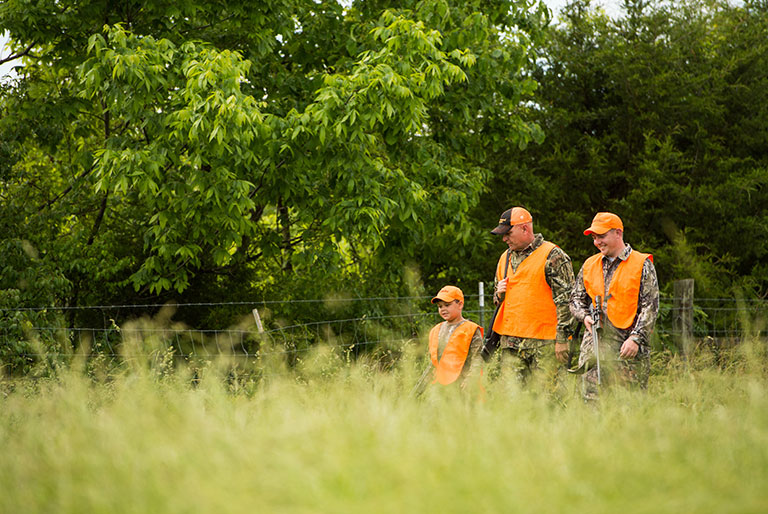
(603, 222)
(449, 294)
(510, 217)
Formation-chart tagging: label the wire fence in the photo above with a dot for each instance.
(288, 329)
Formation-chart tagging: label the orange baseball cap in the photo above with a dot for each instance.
(603, 222)
(449, 294)
(510, 217)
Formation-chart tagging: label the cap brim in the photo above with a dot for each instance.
(501, 229)
(592, 230)
(437, 299)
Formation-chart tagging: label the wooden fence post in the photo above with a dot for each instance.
(682, 321)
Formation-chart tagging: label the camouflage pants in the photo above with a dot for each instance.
(532, 364)
(631, 373)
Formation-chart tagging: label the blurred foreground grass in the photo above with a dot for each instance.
(338, 438)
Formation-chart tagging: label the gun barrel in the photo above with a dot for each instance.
(595, 341)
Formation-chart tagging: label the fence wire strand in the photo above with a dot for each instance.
(379, 323)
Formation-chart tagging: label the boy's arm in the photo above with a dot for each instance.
(422, 382)
(473, 356)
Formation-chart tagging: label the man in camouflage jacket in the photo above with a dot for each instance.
(525, 354)
(630, 301)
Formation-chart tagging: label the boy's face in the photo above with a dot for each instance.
(449, 311)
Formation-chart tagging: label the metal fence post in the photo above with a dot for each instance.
(481, 296)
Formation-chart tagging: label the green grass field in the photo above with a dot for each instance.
(347, 438)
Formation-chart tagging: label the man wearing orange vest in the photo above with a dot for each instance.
(534, 279)
(625, 280)
(454, 344)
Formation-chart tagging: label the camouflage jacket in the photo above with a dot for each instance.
(647, 307)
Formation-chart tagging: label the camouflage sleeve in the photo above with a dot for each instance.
(559, 274)
(648, 304)
(474, 358)
(476, 362)
(579, 304)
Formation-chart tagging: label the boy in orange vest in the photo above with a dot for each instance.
(454, 344)
(625, 280)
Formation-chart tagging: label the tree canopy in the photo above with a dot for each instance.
(200, 147)
(658, 116)
(215, 150)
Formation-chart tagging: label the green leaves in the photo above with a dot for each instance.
(202, 141)
(188, 153)
(646, 116)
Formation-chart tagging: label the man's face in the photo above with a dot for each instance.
(517, 237)
(449, 311)
(610, 244)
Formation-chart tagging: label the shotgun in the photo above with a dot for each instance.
(594, 312)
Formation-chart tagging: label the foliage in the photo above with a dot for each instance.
(658, 116)
(199, 148)
(25, 278)
(207, 151)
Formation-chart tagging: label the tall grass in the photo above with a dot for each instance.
(336, 437)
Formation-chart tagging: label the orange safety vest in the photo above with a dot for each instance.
(449, 366)
(623, 294)
(528, 310)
